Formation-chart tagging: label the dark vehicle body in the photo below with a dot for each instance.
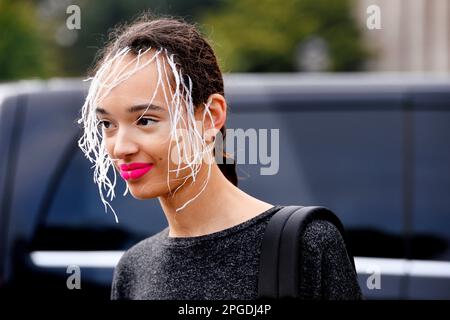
(373, 148)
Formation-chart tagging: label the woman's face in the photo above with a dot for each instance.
(129, 140)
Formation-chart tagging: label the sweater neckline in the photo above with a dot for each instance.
(183, 241)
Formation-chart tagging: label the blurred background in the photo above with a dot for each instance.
(360, 91)
(248, 36)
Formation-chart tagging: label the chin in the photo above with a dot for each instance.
(141, 195)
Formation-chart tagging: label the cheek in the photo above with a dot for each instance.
(155, 147)
(109, 147)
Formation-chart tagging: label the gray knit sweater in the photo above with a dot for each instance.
(224, 265)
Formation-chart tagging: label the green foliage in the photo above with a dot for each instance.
(23, 48)
(248, 35)
(263, 35)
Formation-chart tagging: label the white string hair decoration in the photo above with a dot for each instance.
(179, 101)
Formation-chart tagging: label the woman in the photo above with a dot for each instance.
(155, 108)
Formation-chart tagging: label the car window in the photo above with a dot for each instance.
(431, 181)
(347, 160)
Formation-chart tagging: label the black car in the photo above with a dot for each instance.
(374, 148)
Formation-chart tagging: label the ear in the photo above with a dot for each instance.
(216, 118)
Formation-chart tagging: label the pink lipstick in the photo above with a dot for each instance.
(134, 170)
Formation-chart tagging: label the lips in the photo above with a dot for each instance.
(134, 170)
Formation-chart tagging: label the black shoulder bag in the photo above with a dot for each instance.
(279, 268)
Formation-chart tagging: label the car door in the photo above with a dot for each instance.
(430, 224)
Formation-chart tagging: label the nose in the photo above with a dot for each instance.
(124, 146)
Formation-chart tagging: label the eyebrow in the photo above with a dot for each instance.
(134, 109)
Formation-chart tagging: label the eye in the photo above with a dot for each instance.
(146, 121)
(105, 124)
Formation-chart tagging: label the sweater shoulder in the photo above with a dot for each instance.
(327, 266)
(320, 235)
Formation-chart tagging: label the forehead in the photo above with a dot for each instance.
(132, 79)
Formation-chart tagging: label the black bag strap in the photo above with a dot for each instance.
(280, 262)
(268, 261)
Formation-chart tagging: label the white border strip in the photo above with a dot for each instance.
(90, 259)
(383, 266)
(402, 267)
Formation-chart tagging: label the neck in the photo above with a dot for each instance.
(219, 206)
